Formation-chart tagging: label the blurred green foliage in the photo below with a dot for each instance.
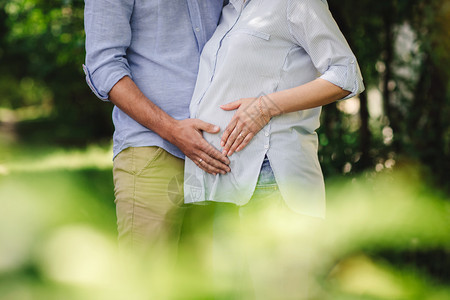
(385, 237)
(400, 46)
(41, 53)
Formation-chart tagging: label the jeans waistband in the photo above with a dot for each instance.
(266, 177)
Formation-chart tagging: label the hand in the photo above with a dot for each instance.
(248, 120)
(187, 136)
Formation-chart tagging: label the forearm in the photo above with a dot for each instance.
(128, 97)
(316, 93)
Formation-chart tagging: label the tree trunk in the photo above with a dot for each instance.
(364, 133)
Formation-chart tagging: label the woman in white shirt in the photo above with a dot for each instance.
(263, 77)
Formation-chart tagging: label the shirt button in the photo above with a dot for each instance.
(266, 146)
(352, 62)
(266, 133)
(197, 29)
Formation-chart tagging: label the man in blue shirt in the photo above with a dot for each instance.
(143, 56)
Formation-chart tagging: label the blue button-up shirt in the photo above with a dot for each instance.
(158, 45)
(261, 47)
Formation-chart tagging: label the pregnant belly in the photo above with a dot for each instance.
(216, 116)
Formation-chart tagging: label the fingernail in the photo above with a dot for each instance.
(216, 128)
(224, 152)
(222, 143)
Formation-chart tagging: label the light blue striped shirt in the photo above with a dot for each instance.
(157, 44)
(261, 47)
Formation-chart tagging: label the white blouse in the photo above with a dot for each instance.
(261, 47)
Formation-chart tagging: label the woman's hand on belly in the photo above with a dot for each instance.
(250, 117)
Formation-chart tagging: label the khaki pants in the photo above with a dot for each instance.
(149, 193)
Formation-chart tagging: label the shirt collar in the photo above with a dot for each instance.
(237, 4)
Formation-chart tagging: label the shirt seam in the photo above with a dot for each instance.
(283, 66)
(294, 39)
(134, 199)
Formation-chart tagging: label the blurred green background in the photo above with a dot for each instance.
(385, 156)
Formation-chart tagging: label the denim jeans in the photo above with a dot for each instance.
(266, 177)
(266, 191)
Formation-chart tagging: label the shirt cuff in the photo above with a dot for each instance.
(103, 87)
(346, 77)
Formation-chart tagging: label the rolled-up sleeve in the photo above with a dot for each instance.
(108, 36)
(313, 28)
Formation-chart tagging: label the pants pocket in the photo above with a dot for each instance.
(134, 160)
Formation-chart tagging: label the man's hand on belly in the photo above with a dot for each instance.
(187, 136)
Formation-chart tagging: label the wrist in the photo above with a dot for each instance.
(269, 106)
(263, 110)
(168, 128)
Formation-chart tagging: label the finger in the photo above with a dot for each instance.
(210, 165)
(222, 161)
(239, 139)
(211, 156)
(205, 166)
(228, 131)
(207, 127)
(245, 142)
(213, 165)
(232, 105)
(201, 145)
(219, 159)
(230, 141)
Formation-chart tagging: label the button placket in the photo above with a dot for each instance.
(216, 57)
(266, 131)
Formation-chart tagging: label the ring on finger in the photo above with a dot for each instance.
(200, 161)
